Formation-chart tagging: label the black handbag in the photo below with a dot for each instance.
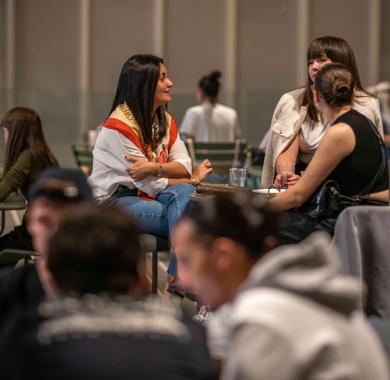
(328, 202)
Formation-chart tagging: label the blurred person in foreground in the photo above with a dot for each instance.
(51, 195)
(99, 325)
(280, 313)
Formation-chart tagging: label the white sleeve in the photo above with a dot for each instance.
(188, 124)
(110, 164)
(179, 154)
(150, 185)
(378, 116)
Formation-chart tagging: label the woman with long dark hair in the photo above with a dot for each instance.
(26, 155)
(297, 128)
(139, 160)
(210, 121)
(349, 154)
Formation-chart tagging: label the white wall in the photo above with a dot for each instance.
(259, 45)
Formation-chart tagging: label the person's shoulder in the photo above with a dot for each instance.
(226, 109)
(108, 135)
(26, 153)
(340, 136)
(24, 156)
(364, 99)
(194, 110)
(291, 101)
(257, 306)
(293, 96)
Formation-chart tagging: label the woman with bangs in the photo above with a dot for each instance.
(297, 128)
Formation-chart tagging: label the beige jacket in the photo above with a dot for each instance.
(289, 117)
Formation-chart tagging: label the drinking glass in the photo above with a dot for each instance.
(237, 177)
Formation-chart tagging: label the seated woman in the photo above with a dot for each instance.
(297, 129)
(210, 121)
(350, 153)
(26, 155)
(157, 184)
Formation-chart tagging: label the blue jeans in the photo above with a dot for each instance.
(158, 216)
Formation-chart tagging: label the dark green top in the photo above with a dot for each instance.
(17, 176)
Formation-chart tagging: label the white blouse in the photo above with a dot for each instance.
(211, 123)
(109, 165)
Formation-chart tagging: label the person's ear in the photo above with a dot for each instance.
(224, 252)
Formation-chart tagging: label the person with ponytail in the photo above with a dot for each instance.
(297, 128)
(210, 121)
(26, 156)
(350, 153)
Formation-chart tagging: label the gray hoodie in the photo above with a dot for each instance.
(297, 317)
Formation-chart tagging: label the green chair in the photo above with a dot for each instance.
(254, 177)
(13, 202)
(82, 153)
(223, 155)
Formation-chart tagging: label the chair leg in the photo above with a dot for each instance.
(154, 272)
(2, 226)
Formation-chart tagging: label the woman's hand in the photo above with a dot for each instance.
(292, 179)
(201, 171)
(140, 168)
(289, 180)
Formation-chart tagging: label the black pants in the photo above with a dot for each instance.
(297, 226)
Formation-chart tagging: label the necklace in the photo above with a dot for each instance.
(155, 130)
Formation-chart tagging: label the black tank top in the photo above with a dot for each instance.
(356, 171)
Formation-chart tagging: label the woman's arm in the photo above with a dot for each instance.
(338, 142)
(200, 172)
(289, 155)
(16, 176)
(381, 196)
(286, 158)
(179, 164)
(141, 168)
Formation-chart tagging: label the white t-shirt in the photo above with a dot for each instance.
(211, 123)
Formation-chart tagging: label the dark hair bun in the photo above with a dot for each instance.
(341, 87)
(209, 84)
(336, 84)
(215, 76)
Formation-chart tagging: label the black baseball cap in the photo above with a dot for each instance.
(61, 185)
